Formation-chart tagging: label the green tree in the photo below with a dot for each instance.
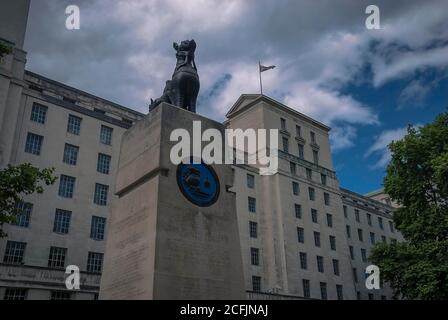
(417, 179)
(17, 181)
(4, 49)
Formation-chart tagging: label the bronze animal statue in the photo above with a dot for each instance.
(183, 88)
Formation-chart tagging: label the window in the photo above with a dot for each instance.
(329, 220)
(380, 223)
(317, 238)
(339, 292)
(358, 295)
(300, 235)
(352, 252)
(66, 186)
(303, 261)
(313, 137)
(100, 197)
(372, 238)
(292, 168)
(323, 291)
(355, 275)
(23, 214)
(336, 267)
(326, 199)
(391, 226)
(250, 181)
(103, 164)
(349, 233)
(74, 124)
(369, 219)
(383, 238)
(94, 262)
(14, 252)
(323, 179)
(285, 144)
(314, 215)
(371, 296)
(295, 188)
(38, 113)
(61, 221)
(253, 229)
(256, 283)
(392, 240)
(298, 131)
(298, 210)
(106, 135)
(33, 143)
(316, 156)
(360, 235)
(57, 257)
(306, 288)
(251, 202)
(320, 264)
(332, 242)
(70, 154)
(357, 215)
(60, 295)
(282, 124)
(97, 228)
(301, 153)
(311, 194)
(364, 255)
(383, 298)
(309, 174)
(254, 256)
(345, 211)
(15, 294)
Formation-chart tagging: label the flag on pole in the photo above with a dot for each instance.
(264, 68)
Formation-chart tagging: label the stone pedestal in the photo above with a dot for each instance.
(159, 244)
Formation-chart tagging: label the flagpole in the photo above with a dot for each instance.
(259, 71)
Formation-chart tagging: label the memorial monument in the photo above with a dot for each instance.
(172, 231)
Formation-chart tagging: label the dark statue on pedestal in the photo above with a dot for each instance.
(182, 90)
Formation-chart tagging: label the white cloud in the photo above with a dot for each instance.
(342, 137)
(380, 150)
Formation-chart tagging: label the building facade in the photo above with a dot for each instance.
(302, 235)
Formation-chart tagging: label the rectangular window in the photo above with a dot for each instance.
(357, 215)
(285, 144)
(106, 135)
(369, 219)
(339, 292)
(57, 257)
(326, 199)
(62, 221)
(70, 154)
(97, 228)
(352, 252)
(60, 295)
(66, 186)
(101, 191)
(298, 211)
(383, 238)
(360, 235)
(332, 242)
(364, 255)
(311, 194)
(323, 291)
(256, 283)
(14, 253)
(372, 238)
(295, 188)
(314, 215)
(320, 264)
(282, 124)
(380, 223)
(317, 238)
(323, 179)
(250, 181)
(349, 233)
(391, 226)
(313, 137)
(22, 218)
(33, 143)
(253, 226)
(251, 203)
(103, 164)
(94, 262)
(74, 124)
(309, 174)
(15, 294)
(292, 168)
(300, 235)
(254, 256)
(306, 288)
(345, 211)
(336, 267)
(303, 261)
(316, 157)
(371, 296)
(301, 153)
(298, 131)
(39, 113)
(355, 275)
(329, 220)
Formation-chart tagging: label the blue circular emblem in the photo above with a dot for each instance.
(198, 183)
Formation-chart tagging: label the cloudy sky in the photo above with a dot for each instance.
(368, 85)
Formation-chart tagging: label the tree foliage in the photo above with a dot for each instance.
(4, 49)
(417, 179)
(17, 181)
